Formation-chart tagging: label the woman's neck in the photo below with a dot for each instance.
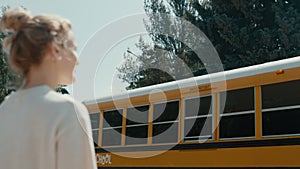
(38, 77)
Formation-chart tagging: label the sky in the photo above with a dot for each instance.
(104, 29)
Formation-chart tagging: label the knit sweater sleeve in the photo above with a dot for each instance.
(74, 143)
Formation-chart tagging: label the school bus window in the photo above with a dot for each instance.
(281, 122)
(197, 106)
(166, 111)
(281, 94)
(112, 127)
(198, 118)
(111, 136)
(95, 119)
(165, 122)
(112, 118)
(137, 115)
(237, 126)
(281, 108)
(137, 125)
(165, 133)
(238, 118)
(238, 100)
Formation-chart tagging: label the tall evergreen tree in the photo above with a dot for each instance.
(148, 68)
(253, 32)
(244, 32)
(3, 67)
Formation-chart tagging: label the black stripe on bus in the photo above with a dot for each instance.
(199, 167)
(212, 145)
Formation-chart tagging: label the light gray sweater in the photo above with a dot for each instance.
(42, 129)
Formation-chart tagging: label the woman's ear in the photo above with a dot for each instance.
(54, 52)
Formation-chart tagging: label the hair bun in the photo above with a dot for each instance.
(15, 19)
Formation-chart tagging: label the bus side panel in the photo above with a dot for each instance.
(269, 156)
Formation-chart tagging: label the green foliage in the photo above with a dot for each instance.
(253, 32)
(61, 89)
(145, 69)
(244, 33)
(9, 80)
(3, 67)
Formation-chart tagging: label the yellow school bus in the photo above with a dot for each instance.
(247, 117)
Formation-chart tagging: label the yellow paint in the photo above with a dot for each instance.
(275, 156)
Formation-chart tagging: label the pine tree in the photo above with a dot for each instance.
(3, 67)
(9, 79)
(148, 68)
(243, 32)
(253, 32)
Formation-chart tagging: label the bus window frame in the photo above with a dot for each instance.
(165, 122)
(212, 108)
(239, 113)
(108, 128)
(96, 129)
(137, 125)
(278, 108)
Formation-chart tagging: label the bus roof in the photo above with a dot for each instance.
(204, 79)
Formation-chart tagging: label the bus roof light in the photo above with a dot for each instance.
(280, 71)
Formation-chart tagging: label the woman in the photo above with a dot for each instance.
(40, 128)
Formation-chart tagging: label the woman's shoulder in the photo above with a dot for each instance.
(67, 108)
(46, 104)
(48, 100)
(64, 102)
(45, 100)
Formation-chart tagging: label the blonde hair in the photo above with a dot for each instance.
(29, 36)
